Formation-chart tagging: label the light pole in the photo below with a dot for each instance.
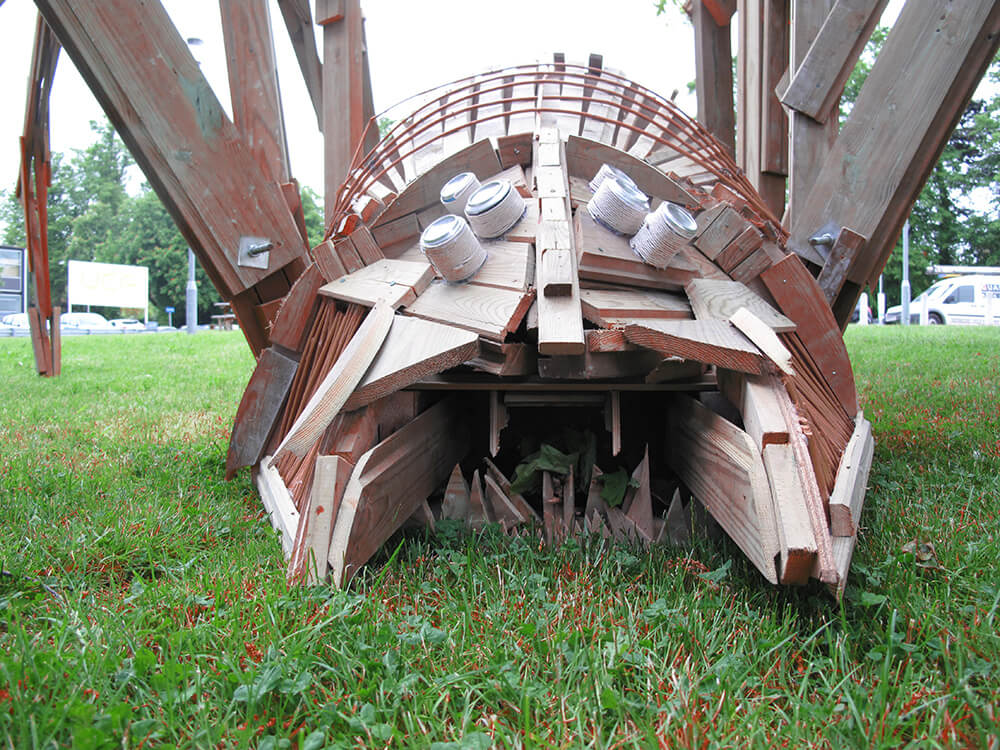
(904, 290)
(191, 292)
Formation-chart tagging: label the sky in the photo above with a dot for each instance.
(412, 46)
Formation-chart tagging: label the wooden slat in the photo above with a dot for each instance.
(843, 253)
(749, 240)
(818, 82)
(296, 312)
(278, 503)
(259, 409)
(848, 494)
(298, 21)
(714, 74)
(253, 84)
(602, 305)
(724, 470)
(725, 228)
(713, 342)
(412, 350)
(796, 542)
(390, 481)
(509, 265)
(479, 158)
(490, 312)
(713, 299)
(148, 83)
(329, 483)
(337, 386)
(800, 298)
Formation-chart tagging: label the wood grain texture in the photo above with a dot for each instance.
(148, 83)
(390, 481)
(714, 73)
(329, 483)
(724, 470)
(412, 350)
(259, 408)
(848, 494)
(817, 83)
(298, 21)
(764, 338)
(340, 382)
(796, 542)
(842, 255)
(490, 312)
(725, 228)
(719, 300)
(713, 342)
(602, 304)
(278, 503)
(297, 310)
(800, 298)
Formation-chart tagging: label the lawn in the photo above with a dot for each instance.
(143, 600)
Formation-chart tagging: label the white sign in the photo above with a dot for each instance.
(107, 284)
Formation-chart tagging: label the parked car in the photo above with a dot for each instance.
(957, 300)
(84, 322)
(15, 320)
(127, 324)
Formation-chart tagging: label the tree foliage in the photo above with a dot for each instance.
(94, 217)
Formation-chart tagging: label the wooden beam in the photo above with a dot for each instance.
(796, 541)
(389, 483)
(298, 21)
(843, 253)
(337, 386)
(819, 79)
(848, 494)
(343, 94)
(714, 72)
(714, 342)
(719, 300)
(148, 83)
(774, 121)
(724, 470)
(329, 483)
(253, 84)
(913, 97)
(808, 140)
(259, 409)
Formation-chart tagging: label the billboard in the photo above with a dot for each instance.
(107, 284)
(12, 278)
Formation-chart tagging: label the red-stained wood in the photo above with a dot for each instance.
(714, 71)
(148, 83)
(297, 310)
(713, 342)
(801, 299)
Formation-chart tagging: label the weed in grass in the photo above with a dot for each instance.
(144, 603)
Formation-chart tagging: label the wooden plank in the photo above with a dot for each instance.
(479, 158)
(714, 73)
(752, 266)
(369, 292)
(328, 261)
(764, 338)
(329, 483)
(749, 240)
(750, 64)
(759, 406)
(848, 245)
(599, 365)
(278, 503)
(819, 80)
(498, 421)
(340, 382)
(490, 312)
(800, 298)
(253, 84)
(610, 340)
(296, 313)
(711, 298)
(584, 158)
(40, 342)
(506, 360)
(389, 483)
(724, 470)
(725, 228)
(412, 350)
(713, 342)
(148, 83)
(343, 95)
(640, 507)
(848, 494)
(391, 232)
(808, 141)
(509, 265)
(515, 149)
(796, 542)
(55, 335)
(259, 409)
(604, 256)
(298, 21)
(774, 121)
(366, 246)
(602, 304)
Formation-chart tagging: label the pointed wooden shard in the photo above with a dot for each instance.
(640, 510)
(505, 512)
(479, 512)
(522, 505)
(678, 521)
(455, 505)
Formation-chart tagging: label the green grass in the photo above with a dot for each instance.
(143, 600)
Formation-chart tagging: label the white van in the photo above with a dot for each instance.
(958, 300)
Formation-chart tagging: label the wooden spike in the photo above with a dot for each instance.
(640, 510)
(456, 497)
(479, 512)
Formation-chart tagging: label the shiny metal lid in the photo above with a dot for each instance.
(456, 185)
(442, 230)
(487, 196)
(679, 219)
(630, 194)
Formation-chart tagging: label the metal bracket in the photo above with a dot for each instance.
(254, 252)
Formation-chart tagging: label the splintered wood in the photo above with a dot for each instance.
(717, 387)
